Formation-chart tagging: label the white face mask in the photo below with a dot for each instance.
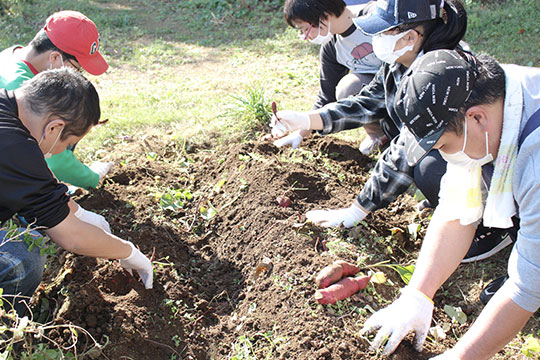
(320, 39)
(463, 160)
(383, 47)
(48, 154)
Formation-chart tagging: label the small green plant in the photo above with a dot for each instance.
(173, 199)
(252, 107)
(243, 349)
(259, 346)
(32, 239)
(208, 212)
(174, 305)
(531, 347)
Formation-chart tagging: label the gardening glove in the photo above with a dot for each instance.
(333, 218)
(143, 265)
(288, 121)
(412, 311)
(92, 218)
(101, 168)
(293, 139)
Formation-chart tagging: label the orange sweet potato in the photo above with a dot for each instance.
(334, 272)
(348, 268)
(341, 290)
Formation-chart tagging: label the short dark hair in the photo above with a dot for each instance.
(311, 11)
(444, 32)
(490, 86)
(41, 43)
(66, 94)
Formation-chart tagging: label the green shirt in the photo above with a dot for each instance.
(13, 71)
(66, 168)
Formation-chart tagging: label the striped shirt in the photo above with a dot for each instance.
(392, 175)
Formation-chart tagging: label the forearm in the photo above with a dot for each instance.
(82, 238)
(444, 246)
(367, 107)
(391, 177)
(316, 122)
(498, 323)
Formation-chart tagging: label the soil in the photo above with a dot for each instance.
(237, 283)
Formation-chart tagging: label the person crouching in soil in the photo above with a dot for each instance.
(53, 110)
(484, 119)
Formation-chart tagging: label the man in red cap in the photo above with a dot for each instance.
(68, 39)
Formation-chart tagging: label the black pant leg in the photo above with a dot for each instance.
(427, 176)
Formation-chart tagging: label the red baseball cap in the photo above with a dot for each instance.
(77, 35)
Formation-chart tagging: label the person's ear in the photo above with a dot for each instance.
(53, 125)
(323, 21)
(54, 58)
(412, 37)
(479, 115)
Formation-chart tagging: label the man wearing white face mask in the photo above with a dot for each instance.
(402, 30)
(68, 39)
(485, 120)
(347, 61)
(54, 109)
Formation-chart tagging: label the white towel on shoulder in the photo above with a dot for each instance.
(461, 194)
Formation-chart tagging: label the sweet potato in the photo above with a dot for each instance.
(348, 268)
(341, 290)
(274, 108)
(334, 272)
(284, 201)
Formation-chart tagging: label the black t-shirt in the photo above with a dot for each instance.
(27, 186)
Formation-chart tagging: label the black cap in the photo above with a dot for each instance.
(430, 93)
(391, 13)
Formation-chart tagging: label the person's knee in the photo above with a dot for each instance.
(427, 176)
(351, 84)
(21, 269)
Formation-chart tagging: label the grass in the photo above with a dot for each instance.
(182, 69)
(506, 30)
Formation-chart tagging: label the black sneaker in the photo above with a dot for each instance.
(492, 288)
(424, 204)
(487, 242)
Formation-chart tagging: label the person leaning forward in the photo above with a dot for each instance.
(54, 109)
(68, 39)
(484, 120)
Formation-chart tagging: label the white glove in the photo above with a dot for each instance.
(93, 218)
(143, 265)
(293, 139)
(333, 218)
(412, 311)
(101, 168)
(289, 121)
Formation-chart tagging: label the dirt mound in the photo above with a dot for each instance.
(210, 217)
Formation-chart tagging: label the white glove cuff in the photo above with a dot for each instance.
(419, 296)
(305, 122)
(358, 213)
(133, 252)
(80, 211)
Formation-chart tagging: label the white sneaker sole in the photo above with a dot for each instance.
(506, 241)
